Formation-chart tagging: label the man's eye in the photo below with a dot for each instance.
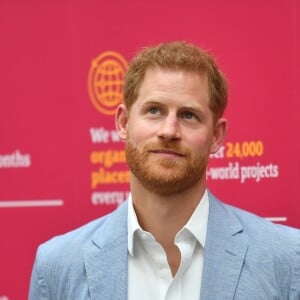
(153, 110)
(188, 115)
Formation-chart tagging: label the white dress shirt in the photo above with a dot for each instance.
(149, 274)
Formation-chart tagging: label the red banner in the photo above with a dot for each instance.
(62, 66)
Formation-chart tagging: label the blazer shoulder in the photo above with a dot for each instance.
(62, 258)
(261, 233)
(272, 248)
(272, 241)
(72, 244)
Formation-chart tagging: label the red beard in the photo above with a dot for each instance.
(165, 175)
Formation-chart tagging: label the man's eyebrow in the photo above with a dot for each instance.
(152, 102)
(193, 108)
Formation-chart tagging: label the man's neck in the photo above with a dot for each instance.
(165, 215)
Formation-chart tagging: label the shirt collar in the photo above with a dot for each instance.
(196, 225)
(133, 225)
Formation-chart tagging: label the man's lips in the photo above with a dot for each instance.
(167, 152)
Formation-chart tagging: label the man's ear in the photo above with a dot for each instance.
(121, 119)
(220, 132)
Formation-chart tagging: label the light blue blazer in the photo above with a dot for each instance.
(246, 257)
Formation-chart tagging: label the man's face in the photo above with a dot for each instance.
(170, 131)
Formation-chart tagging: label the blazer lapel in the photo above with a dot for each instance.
(106, 258)
(225, 249)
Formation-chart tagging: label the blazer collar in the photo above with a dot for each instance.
(225, 249)
(105, 258)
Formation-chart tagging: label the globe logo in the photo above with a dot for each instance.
(106, 81)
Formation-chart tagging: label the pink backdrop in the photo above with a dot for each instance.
(61, 164)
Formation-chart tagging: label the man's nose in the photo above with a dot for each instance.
(169, 128)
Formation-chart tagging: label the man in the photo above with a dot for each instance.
(172, 239)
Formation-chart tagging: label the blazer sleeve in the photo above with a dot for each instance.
(295, 281)
(38, 288)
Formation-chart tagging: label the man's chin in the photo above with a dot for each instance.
(163, 189)
(166, 182)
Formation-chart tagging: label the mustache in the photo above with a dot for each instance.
(168, 147)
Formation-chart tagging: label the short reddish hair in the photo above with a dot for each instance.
(178, 56)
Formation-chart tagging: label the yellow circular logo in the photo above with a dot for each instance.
(106, 81)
